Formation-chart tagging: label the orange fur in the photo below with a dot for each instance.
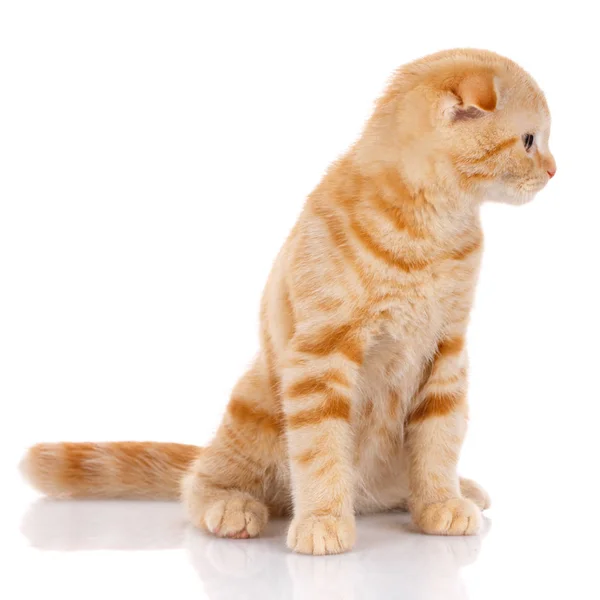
(109, 470)
(357, 400)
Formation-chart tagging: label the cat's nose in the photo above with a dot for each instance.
(550, 164)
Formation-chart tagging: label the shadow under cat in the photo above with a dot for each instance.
(391, 559)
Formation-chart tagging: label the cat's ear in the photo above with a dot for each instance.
(474, 96)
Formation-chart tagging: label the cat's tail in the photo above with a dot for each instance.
(150, 470)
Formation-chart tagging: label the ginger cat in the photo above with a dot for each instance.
(357, 399)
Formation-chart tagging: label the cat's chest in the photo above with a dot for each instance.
(422, 311)
(430, 300)
(412, 325)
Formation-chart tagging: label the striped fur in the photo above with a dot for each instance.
(108, 470)
(357, 401)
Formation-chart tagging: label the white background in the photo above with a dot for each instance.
(153, 157)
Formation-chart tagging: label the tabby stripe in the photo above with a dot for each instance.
(335, 406)
(309, 456)
(245, 413)
(325, 468)
(472, 177)
(437, 404)
(381, 252)
(447, 380)
(315, 384)
(269, 354)
(74, 471)
(495, 150)
(449, 346)
(336, 230)
(290, 311)
(398, 218)
(329, 304)
(341, 338)
(468, 248)
(394, 406)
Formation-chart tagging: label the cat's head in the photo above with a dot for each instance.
(474, 120)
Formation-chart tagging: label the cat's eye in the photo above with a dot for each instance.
(528, 139)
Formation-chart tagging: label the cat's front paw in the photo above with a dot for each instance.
(457, 516)
(319, 535)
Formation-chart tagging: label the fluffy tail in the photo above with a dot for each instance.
(108, 470)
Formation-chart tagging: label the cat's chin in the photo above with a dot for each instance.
(510, 196)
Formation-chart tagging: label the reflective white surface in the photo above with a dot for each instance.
(117, 548)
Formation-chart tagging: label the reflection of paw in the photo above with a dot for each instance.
(237, 516)
(473, 491)
(457, 516)
(227, 559)
(344, 576)
(321, 535)
(237, 569)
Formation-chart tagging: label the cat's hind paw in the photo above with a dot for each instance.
(473, 491)
(239, 516)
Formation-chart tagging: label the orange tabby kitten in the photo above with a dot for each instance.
(357, 400)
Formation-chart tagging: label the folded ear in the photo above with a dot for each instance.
(473, 96)
(478, 90)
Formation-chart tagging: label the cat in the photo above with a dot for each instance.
(357, 400)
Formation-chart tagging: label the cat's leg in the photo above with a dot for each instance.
(435, 432)
(473, 491)
(318, 383)
(227, 489)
